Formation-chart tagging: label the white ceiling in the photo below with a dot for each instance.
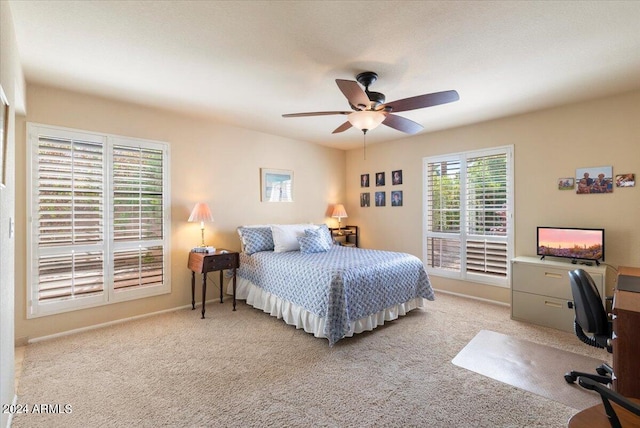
(248, 62)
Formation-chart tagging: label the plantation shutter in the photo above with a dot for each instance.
(99, 219)
(443, 223)
(486, 205)
(70, 218)
(137, 217)
(467, 210)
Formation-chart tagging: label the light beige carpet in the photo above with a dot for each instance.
(247, 369)
(530, 366)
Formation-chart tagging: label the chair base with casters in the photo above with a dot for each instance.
(605, 371)
(605, 414)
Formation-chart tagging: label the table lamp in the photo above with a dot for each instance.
(201, 213)
(339, 212)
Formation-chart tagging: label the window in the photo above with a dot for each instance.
(468, 206)
(99, 219)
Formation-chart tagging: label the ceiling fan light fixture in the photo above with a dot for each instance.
(366, 119)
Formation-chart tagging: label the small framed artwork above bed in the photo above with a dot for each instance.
(276, 185)
(295, 272)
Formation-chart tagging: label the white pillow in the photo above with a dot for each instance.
(285, 236)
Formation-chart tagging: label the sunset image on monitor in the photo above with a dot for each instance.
(573, 243)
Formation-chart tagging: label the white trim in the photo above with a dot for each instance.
(462, 273)
(110, 323)
(14, 402)
(106, 246)
(467, 296)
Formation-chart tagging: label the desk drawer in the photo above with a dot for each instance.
(547, 280)
(542, 310)
(221, 261)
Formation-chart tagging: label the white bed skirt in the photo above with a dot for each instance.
(295, 315)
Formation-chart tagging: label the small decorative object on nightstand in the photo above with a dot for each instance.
(347, 236)
(211, 262)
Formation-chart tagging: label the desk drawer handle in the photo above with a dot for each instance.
(553, 304)
(553, 275)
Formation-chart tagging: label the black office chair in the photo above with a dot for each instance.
(592, 317)
(607, 394)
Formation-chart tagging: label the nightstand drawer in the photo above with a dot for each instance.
(220, 261)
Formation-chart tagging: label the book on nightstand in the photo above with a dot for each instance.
(204, 250)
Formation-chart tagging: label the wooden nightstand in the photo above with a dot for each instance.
(210, 262)
(347, 236)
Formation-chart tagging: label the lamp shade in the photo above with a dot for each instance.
(201, 213)
(366, 119)
(339, 211)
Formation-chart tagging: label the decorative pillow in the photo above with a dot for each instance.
(313, 241)
(285, 236)
(256, 239)
(325, 233)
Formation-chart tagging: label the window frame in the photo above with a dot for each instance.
(108, 294)
(462, 237)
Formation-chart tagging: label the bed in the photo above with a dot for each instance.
(294, 272)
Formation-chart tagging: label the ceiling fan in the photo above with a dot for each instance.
(370, 110)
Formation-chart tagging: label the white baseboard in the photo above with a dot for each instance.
(120, 321)
(495, 302)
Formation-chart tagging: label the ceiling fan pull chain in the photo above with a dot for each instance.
(364, 144)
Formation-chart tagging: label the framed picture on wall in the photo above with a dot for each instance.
(566, 183)
(396, 198)
(625, 180)
(594, 180)
(396, 177)
(379, 178)
(364, 180)
(365, 199)
(381, 199)
(276, 185)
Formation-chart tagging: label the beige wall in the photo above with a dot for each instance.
(210, 163)
(220, 165)
(548, 145)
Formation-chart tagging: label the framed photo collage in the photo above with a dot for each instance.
(380, 193)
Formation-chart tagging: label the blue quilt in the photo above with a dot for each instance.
(342, 285)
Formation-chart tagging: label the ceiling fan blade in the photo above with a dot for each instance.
(354, 93)
(316, 113)
(342, 127)
(422, 101)
(402, 124)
